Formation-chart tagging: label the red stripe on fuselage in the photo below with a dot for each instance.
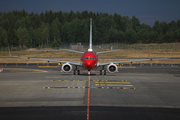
(89, 60)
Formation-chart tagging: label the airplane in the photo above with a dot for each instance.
(89, 60)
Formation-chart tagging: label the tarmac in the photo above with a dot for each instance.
(136, 92)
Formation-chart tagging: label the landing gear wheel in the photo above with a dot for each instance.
(78, 72)
(100, 72)
(74, 72)
(104, 72)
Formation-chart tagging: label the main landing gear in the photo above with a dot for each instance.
(76, 71)
(103, 71)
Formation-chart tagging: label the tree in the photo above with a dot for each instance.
(85, 31)
(118, 20)
(31, 35)
(160, 38)
(23, 36)
(72, 32)
(45, 29)
(121, 36)
(3, 37)
(164, 27)
(72, 15)
(156, 27)
(64, 33)
(52, 28)
(146, 27)
(85, 14)
(177, 35)
(113, 35)
(79, 15)
(143, 36)
(11, 35)
(131, 36)
(135, 23)
(153, 36)
(23, 22)
(170, 36)
(38, 41)
(127, 23)
(55, 34)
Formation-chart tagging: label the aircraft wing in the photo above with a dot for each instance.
(72, 51)
(73, 63)
(107, 63)
(107, 51)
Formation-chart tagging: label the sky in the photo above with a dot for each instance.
(148, 11)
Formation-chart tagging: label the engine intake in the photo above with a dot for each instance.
(66, 67)
(112, 68)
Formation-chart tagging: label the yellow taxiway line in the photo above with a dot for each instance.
(47, 66)
(126, 66)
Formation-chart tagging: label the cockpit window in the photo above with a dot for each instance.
(89, 58)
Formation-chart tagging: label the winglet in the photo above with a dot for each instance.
(9, 52)
(170, 54)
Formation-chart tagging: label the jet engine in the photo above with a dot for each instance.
(66, 67)
(112, 68)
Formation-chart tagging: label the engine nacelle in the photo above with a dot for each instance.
(66, 67)
(112, 68)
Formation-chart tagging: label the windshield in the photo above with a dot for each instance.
(89, 58)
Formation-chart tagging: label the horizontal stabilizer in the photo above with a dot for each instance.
(73, 51)
(108, 51)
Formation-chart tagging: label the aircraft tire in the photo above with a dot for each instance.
(74, 72)
(104, 72)
(100, 72)
(78, 72)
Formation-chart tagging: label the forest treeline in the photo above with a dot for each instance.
(19, 28)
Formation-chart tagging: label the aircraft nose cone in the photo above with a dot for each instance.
(88, 63)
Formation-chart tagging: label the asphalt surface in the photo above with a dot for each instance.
(28, 91)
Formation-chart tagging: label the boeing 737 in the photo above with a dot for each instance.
(89, 60)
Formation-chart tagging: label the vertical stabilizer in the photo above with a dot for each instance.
(90, 43)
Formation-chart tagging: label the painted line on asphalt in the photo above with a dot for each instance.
(47, 66)
(88, 99)
(91, 71)
(126, 66)
(111, 85)
(90, 87)
(96, 81)
(115, 82)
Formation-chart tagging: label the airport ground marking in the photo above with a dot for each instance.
(99, 84)
(88, 100)
(111, 85)
(127, 67)
(93, 87)
(91, 71)
(47, 66)
(53, 77)
(97, 81)
(115, 82)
